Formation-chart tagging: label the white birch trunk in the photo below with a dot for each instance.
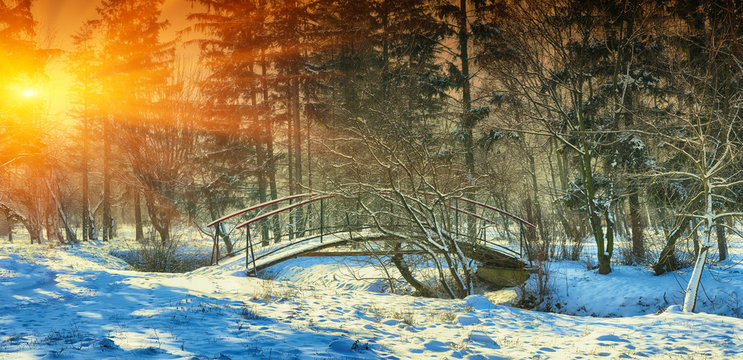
(690, 300)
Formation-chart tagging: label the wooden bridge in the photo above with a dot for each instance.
(335, 234)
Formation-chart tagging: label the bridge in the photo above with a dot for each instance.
(328, 226)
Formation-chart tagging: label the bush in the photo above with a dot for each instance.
(157, 255)
(154, 255)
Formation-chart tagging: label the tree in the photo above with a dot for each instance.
(136, 66)
(242, 119)
(702, 127)
(384, 146)
(403, 186)
(83, 66)
(710, 144)
(471, 27)
(23, 150)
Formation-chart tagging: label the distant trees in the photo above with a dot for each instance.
(552, 61)
(385, 145)
(607, 80)
(640, 96)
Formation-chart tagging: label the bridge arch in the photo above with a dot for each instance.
(483, 249)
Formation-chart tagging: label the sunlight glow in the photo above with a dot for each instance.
(29, 93)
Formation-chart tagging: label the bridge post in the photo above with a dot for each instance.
(348, 225)
(216, 239)
(215, 245)
(249, 248)
(484, 228)
(456, 215)
(521, 240)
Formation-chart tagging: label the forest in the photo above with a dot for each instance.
(603, 121)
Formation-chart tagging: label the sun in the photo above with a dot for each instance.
(28, 93)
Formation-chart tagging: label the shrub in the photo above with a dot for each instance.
(154, 255)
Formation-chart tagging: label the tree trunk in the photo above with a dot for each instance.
(604, 256)
(260, 157)
(308, 165)
(106, 179)
(467, 119)
(34, 230)
(605, 268)
(638, 246)
(404, 269)
(50, 216)
(666, 260)
(159, 217)
(228, 245)
(139, 232)
(92, 234)
(532, 247)
(85, 185)
(271, 163)
(722, 242)
(69, 232)
(216, 213)
(543, 240)
(262, 187)
(694, 236)
(690, 299)
(10, 229)
(290, 155)
(299, 215)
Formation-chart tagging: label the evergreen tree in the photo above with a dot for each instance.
(136, 66)
(241, 119)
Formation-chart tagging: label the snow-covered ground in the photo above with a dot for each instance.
(83, 303)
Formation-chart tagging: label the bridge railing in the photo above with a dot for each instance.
(259, 207)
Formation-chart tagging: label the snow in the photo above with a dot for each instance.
(82, 303)
(631, 291)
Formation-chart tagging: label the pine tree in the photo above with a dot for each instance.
(136, 66)
(241, 117)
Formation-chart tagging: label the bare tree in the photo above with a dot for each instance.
(710, 145)
(404, 186)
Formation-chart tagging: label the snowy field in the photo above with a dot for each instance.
(83, 303)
